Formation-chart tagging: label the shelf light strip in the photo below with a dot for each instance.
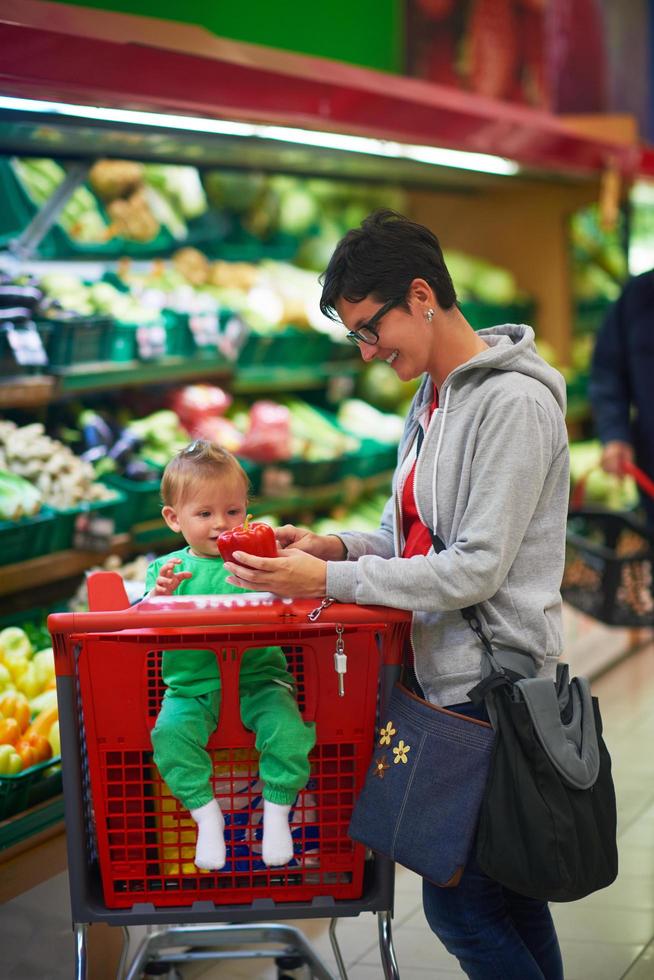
(437, 156)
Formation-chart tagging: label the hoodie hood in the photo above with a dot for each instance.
(511, 347)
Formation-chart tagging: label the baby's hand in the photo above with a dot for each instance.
(168, 579)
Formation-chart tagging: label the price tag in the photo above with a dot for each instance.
(93, 532)
(205, 328)
(151, 341)
(233, 334)
(26, 345)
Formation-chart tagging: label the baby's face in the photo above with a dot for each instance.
(213, 506)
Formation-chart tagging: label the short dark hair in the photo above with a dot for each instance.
(381, 259)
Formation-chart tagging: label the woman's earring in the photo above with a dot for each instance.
(429, 315)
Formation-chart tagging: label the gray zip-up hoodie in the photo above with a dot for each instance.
(492, 481)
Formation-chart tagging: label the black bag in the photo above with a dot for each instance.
(420, 802)
(547, 825)
(548, 819)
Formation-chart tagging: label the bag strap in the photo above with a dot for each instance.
(498, 675)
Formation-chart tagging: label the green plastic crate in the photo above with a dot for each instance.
(142, 499)
(122, 342)
(182, 340)
(29, 537)
(31, 822)
(29, 788)
(19, 209)
(64, 528)
(83, 340)
(290, 347)
(373, 458)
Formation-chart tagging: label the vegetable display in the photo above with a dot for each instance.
(29, 731)
(52, 469)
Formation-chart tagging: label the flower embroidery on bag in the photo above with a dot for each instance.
(400, 752)
(380, 766)
(386, 734)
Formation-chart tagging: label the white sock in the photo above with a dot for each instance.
(277, 841)
(210, 847)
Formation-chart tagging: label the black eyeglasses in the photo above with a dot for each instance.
(368, 333)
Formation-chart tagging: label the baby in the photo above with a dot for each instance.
(204, 491)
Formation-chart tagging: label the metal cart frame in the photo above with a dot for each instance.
(205, 930)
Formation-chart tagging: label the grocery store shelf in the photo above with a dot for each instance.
(271, 378)
(298, 500)
(93, 377)
(302, 499)
(28, 575)
(29, 823)
(153, 534)
(95, 58)
(27, 391)
(31, 391)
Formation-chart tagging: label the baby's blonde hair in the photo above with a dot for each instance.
(200, 460)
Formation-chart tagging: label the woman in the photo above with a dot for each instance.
(484, 463)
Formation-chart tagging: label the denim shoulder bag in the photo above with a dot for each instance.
(423, 790)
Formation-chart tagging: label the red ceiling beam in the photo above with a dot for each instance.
(63, 53)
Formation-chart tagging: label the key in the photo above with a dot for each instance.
(340, 661)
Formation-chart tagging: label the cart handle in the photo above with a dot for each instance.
(630, 469)
(111, 611)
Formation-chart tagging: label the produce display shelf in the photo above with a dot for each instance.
(27, 391)
(148, 534)
(27, 575)
(27, 823)
(108, 375)
(346, 491)
(270, 378)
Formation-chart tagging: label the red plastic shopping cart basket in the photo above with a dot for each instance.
(137, 834)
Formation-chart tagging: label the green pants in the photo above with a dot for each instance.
(283, 741)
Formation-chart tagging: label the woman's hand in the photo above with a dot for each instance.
(168, 579)
(329, 547)
(295, 574)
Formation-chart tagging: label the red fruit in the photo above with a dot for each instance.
(436, 9)
(577, 56)
(536, 83)
(437, 59)
(493, 47)
(253, 537)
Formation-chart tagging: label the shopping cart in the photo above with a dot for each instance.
(131, 845)
(609, 560)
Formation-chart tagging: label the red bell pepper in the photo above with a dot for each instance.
(253, 537)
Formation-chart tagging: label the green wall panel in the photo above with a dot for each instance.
(361, 32)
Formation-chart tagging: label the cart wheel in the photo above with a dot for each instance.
(290, 967)
(159, 968)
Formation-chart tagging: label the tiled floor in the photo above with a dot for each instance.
(609, 936)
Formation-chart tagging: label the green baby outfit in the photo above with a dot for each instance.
(190, 708)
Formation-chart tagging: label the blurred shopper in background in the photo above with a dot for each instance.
(621, 388)
(483, 462)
